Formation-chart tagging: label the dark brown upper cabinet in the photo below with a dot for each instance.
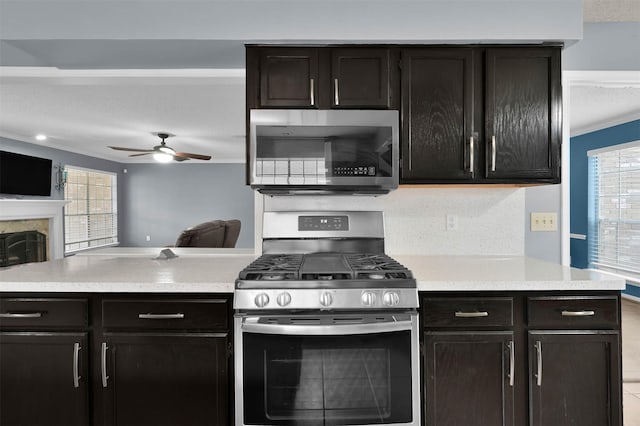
(481, 115)
(288, 77)
(437, 110)
(523, 122)
(318, 77)
(359, 78)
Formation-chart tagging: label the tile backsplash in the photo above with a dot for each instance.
(489, 221)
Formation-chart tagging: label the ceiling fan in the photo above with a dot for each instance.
(162, 152)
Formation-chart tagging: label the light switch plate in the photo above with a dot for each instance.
(547, 221)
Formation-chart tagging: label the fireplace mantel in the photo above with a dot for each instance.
(15, 209)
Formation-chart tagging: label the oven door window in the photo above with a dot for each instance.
(327, 380)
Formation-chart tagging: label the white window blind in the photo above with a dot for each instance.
(91, 217)
(614, 204)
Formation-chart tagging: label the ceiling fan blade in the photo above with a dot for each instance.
(194, 156)
(118, 148)
(138, 155)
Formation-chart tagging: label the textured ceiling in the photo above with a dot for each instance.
(611, 11)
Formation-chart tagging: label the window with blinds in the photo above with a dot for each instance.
(614, 204)
(91, 217)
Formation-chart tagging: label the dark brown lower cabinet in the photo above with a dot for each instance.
(164, 379)
(43, 379)
(468, 378)
(521, 358)
(574, 378)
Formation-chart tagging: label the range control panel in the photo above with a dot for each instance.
(323, 223)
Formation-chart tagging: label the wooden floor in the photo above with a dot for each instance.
(631, 362)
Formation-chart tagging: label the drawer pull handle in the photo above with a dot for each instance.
(103, 364)
(578, 313)
(538, 347)
(76, 360)
(161, 316)
(22, 315)
(335, 92)
(460, 314)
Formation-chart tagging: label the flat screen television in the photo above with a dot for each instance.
(24, 175)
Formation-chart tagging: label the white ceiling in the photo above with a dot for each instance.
(85, 111)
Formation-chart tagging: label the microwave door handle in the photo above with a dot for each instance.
(251, 325)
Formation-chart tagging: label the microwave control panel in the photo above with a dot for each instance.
(354, 171)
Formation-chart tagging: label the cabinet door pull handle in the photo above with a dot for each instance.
(493, 153)
(336, 96)
(578, 313)
(538, 346)
(76, 360)
(103, 364)
(21, 315)
(471, 155)
(512, 362)
(178, 315)
(312, 91)
(460, 314)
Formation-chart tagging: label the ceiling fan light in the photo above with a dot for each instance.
(167, 150)
(162, 157)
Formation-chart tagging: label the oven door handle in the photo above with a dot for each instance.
(252, 325)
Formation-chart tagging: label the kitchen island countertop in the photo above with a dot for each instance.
(131, 270)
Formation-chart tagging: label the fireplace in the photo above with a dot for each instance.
(22, 247)
(30, 209)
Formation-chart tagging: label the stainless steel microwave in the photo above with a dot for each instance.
(323, 151)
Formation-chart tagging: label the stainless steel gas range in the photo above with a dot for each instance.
(326, 326)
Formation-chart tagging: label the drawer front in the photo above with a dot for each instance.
(43, 312)
(467, 312)
(573, 312)
(209, 314)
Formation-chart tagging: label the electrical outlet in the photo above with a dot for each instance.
(148, 237)
(544, 221)
(452, 222)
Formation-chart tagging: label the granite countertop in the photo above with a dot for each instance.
(215, 270)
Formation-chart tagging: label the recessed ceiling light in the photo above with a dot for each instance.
(41, 137)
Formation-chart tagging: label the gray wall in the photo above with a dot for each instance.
(160, 200)
(57, 156)
(605, 46)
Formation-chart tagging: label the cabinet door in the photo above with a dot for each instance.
(574, 378)
(360, 78)
(523, 104)
(468, 378)
(289, 77)
(164, 379)
(43, 379)
(437, 123)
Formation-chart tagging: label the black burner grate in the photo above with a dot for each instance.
(376, 266)
(324, 266)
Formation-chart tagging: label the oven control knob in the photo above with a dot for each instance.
(283, 299)
(326, 298)
(368, 298)
(390, 298)
(261, 300)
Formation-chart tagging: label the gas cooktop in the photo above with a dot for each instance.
(324, 267)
